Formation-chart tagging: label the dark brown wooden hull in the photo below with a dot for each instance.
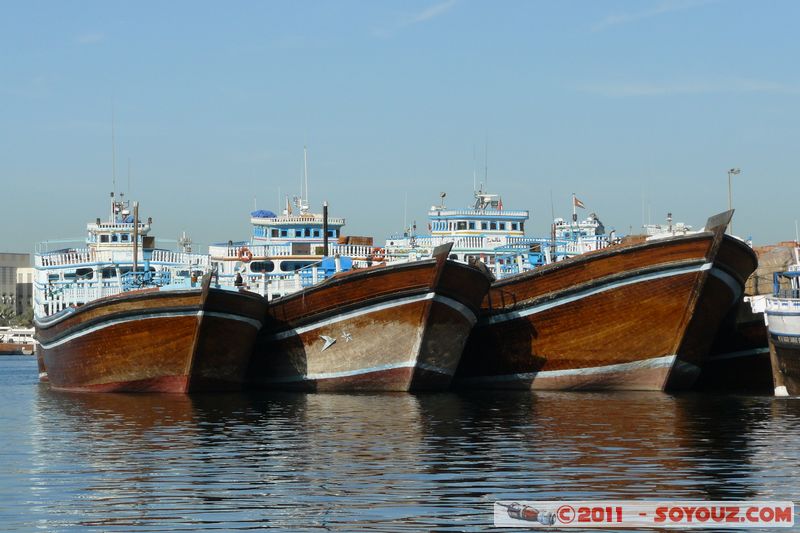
(636, 317)
(739, 357)
(392, 328)
(153, 341)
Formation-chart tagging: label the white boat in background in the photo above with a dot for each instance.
(782, 314)
(117, 257)
(16, 341)
(289, 251)
(489, 233)
(121, 315)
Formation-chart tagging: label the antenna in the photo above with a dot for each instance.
(129, 177)
(643, 219)
(486, 162)
(305, 173)
(405, 214)
(113, 155)
(796, 233)
(474, 172)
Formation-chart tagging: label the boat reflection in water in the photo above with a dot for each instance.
(393, 461)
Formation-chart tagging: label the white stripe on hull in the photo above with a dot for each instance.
(150, 316)
(783, 323)
(358, 372)
(730, 281)
(781, 391)
(461, 308)
(512, 315)
(644, 364)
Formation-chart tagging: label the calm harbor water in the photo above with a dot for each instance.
(370, 462)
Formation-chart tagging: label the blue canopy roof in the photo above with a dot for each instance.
(263, 213)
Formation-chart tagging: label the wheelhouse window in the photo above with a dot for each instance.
(471, 225)
(103, 238)
(483, 225)
(461, 225)
(262, 266)
(316, 233)
(514, 226)
(307, 232)
(502, 225)
(284, 233)
(275, 232)
(493, 225)
(124, 237)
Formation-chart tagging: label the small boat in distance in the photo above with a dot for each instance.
(122, 315)
(16, 341)
(782, 314)
(398, 327)
(638, 316)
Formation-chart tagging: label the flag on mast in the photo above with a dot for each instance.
(577, 203)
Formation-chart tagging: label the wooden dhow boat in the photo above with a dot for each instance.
(400, 327)
(123, 315)
(153, 340)
(638, 316)
(783, 323)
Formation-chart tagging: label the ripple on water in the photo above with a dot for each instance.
(372, 462)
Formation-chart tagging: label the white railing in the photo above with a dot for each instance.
(86, 256)
(180, 258)
(476, 212)
(350, 250)
(279, 221)
(118, 226)
(284, 250)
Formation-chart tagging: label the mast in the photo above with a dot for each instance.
(474, 173)
(486, 163)
(574, 207)
(113, 157)
(135, 235)
(305, 174)
(325, 228)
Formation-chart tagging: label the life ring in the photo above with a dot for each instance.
(245, 255)
(378, 254)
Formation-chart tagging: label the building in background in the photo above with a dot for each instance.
(24, 295)
(16, 282)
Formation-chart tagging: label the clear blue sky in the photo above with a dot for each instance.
(613, 100)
